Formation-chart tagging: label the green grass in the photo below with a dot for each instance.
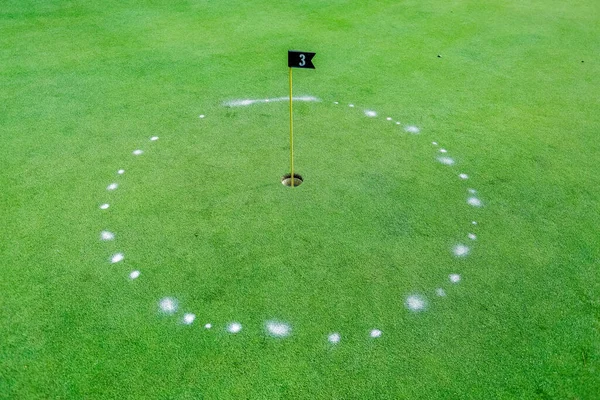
(202, 215)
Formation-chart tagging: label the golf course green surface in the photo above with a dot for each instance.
(444, 243)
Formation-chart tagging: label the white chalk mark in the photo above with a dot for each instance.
(189, 318)
(474, 222)
(134, 274)
(351, 105)
(138, 152)
(117, 258)
(463, 176)
(277, 329)
(375, 333)
(248, 102)
(440, 292)
(446, 160)
(168, 305)
(208, 326)
(106, 235)
(234, 327)
(472, 236)
(412, 129)
(434, 143)
(389, 118)
(454, 278)
(443, 151)
(112, 186)
(334, 338)
(460, 250)
(121, 171)
(398, 123)
(415, 303)
(474, 201)
(336, 102)
(370, 113)
(154, 138)
(472, 191)
(104, 206)
(202, 115)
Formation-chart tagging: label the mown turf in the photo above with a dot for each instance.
(202, 215)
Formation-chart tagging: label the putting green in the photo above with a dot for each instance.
(308, 291)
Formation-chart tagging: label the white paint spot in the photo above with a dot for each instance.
(234, 327)
(350, 105)
(168, 305)
(440, 292)
(138, 152)
(412, 129)
(154, 138)
(415, 303)
(117, 258)
(454, 278)
(104, 206)
(112, 186)
(370, 113)
(474, 222)
(336, 102)
(134, 274)
(106, 235)
(375, 333)
(389, 118)
(460, 250)
(443, 151)
(189, 318)
(248, 102)
(121, 171)
(208, 326)
(472, 191)
(474, 201)
(202, 115)
(446, 160)
(434, 143)
(334, 338)
(472, 236)
(278, 329)
(398, 123)
(463, 176)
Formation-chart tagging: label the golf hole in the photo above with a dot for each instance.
(287, 180)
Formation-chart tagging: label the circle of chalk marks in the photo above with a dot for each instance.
(277, 329)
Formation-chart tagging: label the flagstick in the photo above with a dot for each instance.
(291, 134)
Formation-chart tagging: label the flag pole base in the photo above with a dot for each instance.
(286, 180)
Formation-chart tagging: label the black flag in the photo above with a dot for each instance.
(300, 59)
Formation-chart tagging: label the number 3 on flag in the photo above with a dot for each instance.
(300, 59)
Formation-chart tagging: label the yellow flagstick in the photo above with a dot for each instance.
(291, 134)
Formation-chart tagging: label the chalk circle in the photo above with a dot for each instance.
(415, 303)
(460, 250)
(106, 235)
(287, 181)
(168, 305)
(234, 327)
(277, 329)
(334, 338)
(189, 318)
(375, 333)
